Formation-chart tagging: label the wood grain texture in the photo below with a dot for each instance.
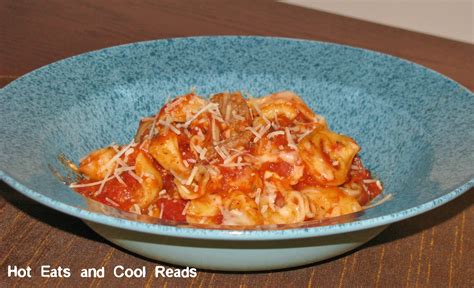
(431, 250)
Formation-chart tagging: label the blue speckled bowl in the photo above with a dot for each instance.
(415, 128)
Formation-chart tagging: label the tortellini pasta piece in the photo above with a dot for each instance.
(234, 109)
(328, 156)
(97, 164)
(164, 148)
(143, 129)
(283, 103)
(330, 202)
(151, 180)
(182, 107)
(288, 208)
(198, 185)
(240, 209)
(204, 210)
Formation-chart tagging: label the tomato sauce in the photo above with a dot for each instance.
(280, 140)
(230, 177)
(119, 194)
(358, 174)
(172, 209)
(185, 148)
(279, 199)
(305, 181)
(284, 121)
(282, 168)
(168, 183)
(301, 118)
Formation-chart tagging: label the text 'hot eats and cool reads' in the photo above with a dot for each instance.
(118, 271)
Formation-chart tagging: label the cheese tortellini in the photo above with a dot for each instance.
(227, 160)
(164, 149)
(328, 156)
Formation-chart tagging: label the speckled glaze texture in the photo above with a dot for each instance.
(415, 126)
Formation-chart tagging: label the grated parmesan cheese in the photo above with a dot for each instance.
(136, 209)
(162, 208)
(167, 124)
(131, 173)
(191, 176)
(304, 135)
(254, 132)
(120, 153)
(224, 150)
(289, 138)
(185, 209)
(214, 131)
(220, 152)
(202, 155)
(237, 116)
(116, 175)
(186, 132)
(186, 164)
(258, 134)
(235, 165)
(206, 108)
(111, 201)
(379, 184)
(261, 114)
(162, 192)
(90, 184)
(257, 197)
(152, 133)
(227, 114)
(232, 157)
(274, 134)
(150, 210)
(124, 169)
(102, 184)
(381, 201)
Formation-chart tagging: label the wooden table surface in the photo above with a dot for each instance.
(432, 250)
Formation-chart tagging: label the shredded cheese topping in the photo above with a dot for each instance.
(289, 138)
(191, 177)
(238, 152)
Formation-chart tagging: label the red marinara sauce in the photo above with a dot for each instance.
(357, 175)
(113, 193)
(121, 196)
(282, 168)
(172, 209)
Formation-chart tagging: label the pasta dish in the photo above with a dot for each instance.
(229, 160)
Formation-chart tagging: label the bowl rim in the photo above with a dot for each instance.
(219, 234)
